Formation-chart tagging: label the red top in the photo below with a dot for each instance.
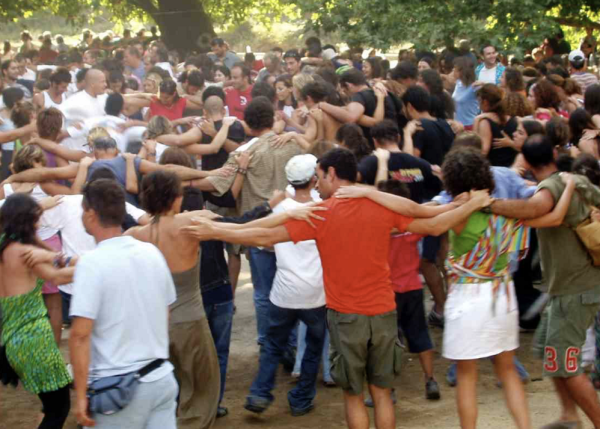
(404, 262)
(258, 65)
(171, 113)
(237, 101)
(354, 245)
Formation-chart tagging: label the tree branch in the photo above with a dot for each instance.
(578, 22)
(146, 5)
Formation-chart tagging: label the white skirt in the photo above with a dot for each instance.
(477, 325)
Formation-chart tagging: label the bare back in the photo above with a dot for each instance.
(179, 250)
(15, 277)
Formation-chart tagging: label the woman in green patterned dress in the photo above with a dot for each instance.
(26, 332)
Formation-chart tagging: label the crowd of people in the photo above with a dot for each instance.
(135, 182)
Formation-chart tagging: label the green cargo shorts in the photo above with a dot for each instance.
(364, 346)
(563, 329)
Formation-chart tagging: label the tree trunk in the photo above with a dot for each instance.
(184, 25)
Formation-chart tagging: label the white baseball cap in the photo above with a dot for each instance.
(576, 56)
(300, 169)
(328, 54)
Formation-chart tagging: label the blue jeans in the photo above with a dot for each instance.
(263, 266)
(302, 349)
(66, 305)
(220, 322)
(281, 323)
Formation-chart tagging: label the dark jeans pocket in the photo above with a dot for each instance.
(398, 353)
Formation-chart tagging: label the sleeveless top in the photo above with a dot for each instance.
(188, 306)
(502, 156)
(48, 102)
(43, 232)
(31, 348)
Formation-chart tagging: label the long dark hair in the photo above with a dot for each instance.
(353, 139)
(18, 218)
(579, 121)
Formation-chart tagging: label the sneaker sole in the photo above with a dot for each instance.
(255, 409)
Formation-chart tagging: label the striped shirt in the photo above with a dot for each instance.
(584, 80)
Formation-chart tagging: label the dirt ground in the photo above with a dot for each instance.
(21, 410)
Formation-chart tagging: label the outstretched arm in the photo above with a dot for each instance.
(442, 223)
(189, 137)
(59, 150)
(256, 237)
(557, 215)
(217, 142)
(540, 204)
(44, 174)
(400, 205)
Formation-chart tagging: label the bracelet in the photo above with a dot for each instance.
(242, 171)
(57, 260)
(151, 153)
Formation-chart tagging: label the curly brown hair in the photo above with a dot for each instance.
(466, 169)
(517, 105)
(22, 113)
(49, 123)
(493, 95)
(545, 95)
(159, 191)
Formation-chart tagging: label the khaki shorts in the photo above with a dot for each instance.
(563, 329)
(364, 346)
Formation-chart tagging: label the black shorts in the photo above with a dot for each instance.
(431, 248)
(411, 320)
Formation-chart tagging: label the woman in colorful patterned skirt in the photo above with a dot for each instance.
(27, 341)
(482, 318)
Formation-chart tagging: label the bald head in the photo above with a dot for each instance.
(213, 106)
(95, 82)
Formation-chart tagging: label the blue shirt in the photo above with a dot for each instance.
(509, 185)
(499, 71)
(467, 105)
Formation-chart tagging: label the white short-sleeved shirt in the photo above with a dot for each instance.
(82, 106)
(488, 75)
(66, 217)
(125, 287)
(298, 281)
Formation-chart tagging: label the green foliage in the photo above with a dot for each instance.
(222, 12)
(515, 25)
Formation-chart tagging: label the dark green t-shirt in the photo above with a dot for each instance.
(566, 264)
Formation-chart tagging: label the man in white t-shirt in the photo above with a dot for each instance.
(67, 218)
(297, 295)
(490, 71)
(121, 297)
(87, 103)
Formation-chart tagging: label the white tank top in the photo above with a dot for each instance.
(48, 102)
(37, 194)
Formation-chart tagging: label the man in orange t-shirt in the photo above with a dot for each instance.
(353, 238)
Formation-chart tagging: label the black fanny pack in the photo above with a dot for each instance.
(111, 394)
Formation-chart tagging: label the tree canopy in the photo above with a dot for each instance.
(185, 24)
(512, 24)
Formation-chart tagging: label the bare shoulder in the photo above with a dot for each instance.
(12, 255)
(137, 232)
